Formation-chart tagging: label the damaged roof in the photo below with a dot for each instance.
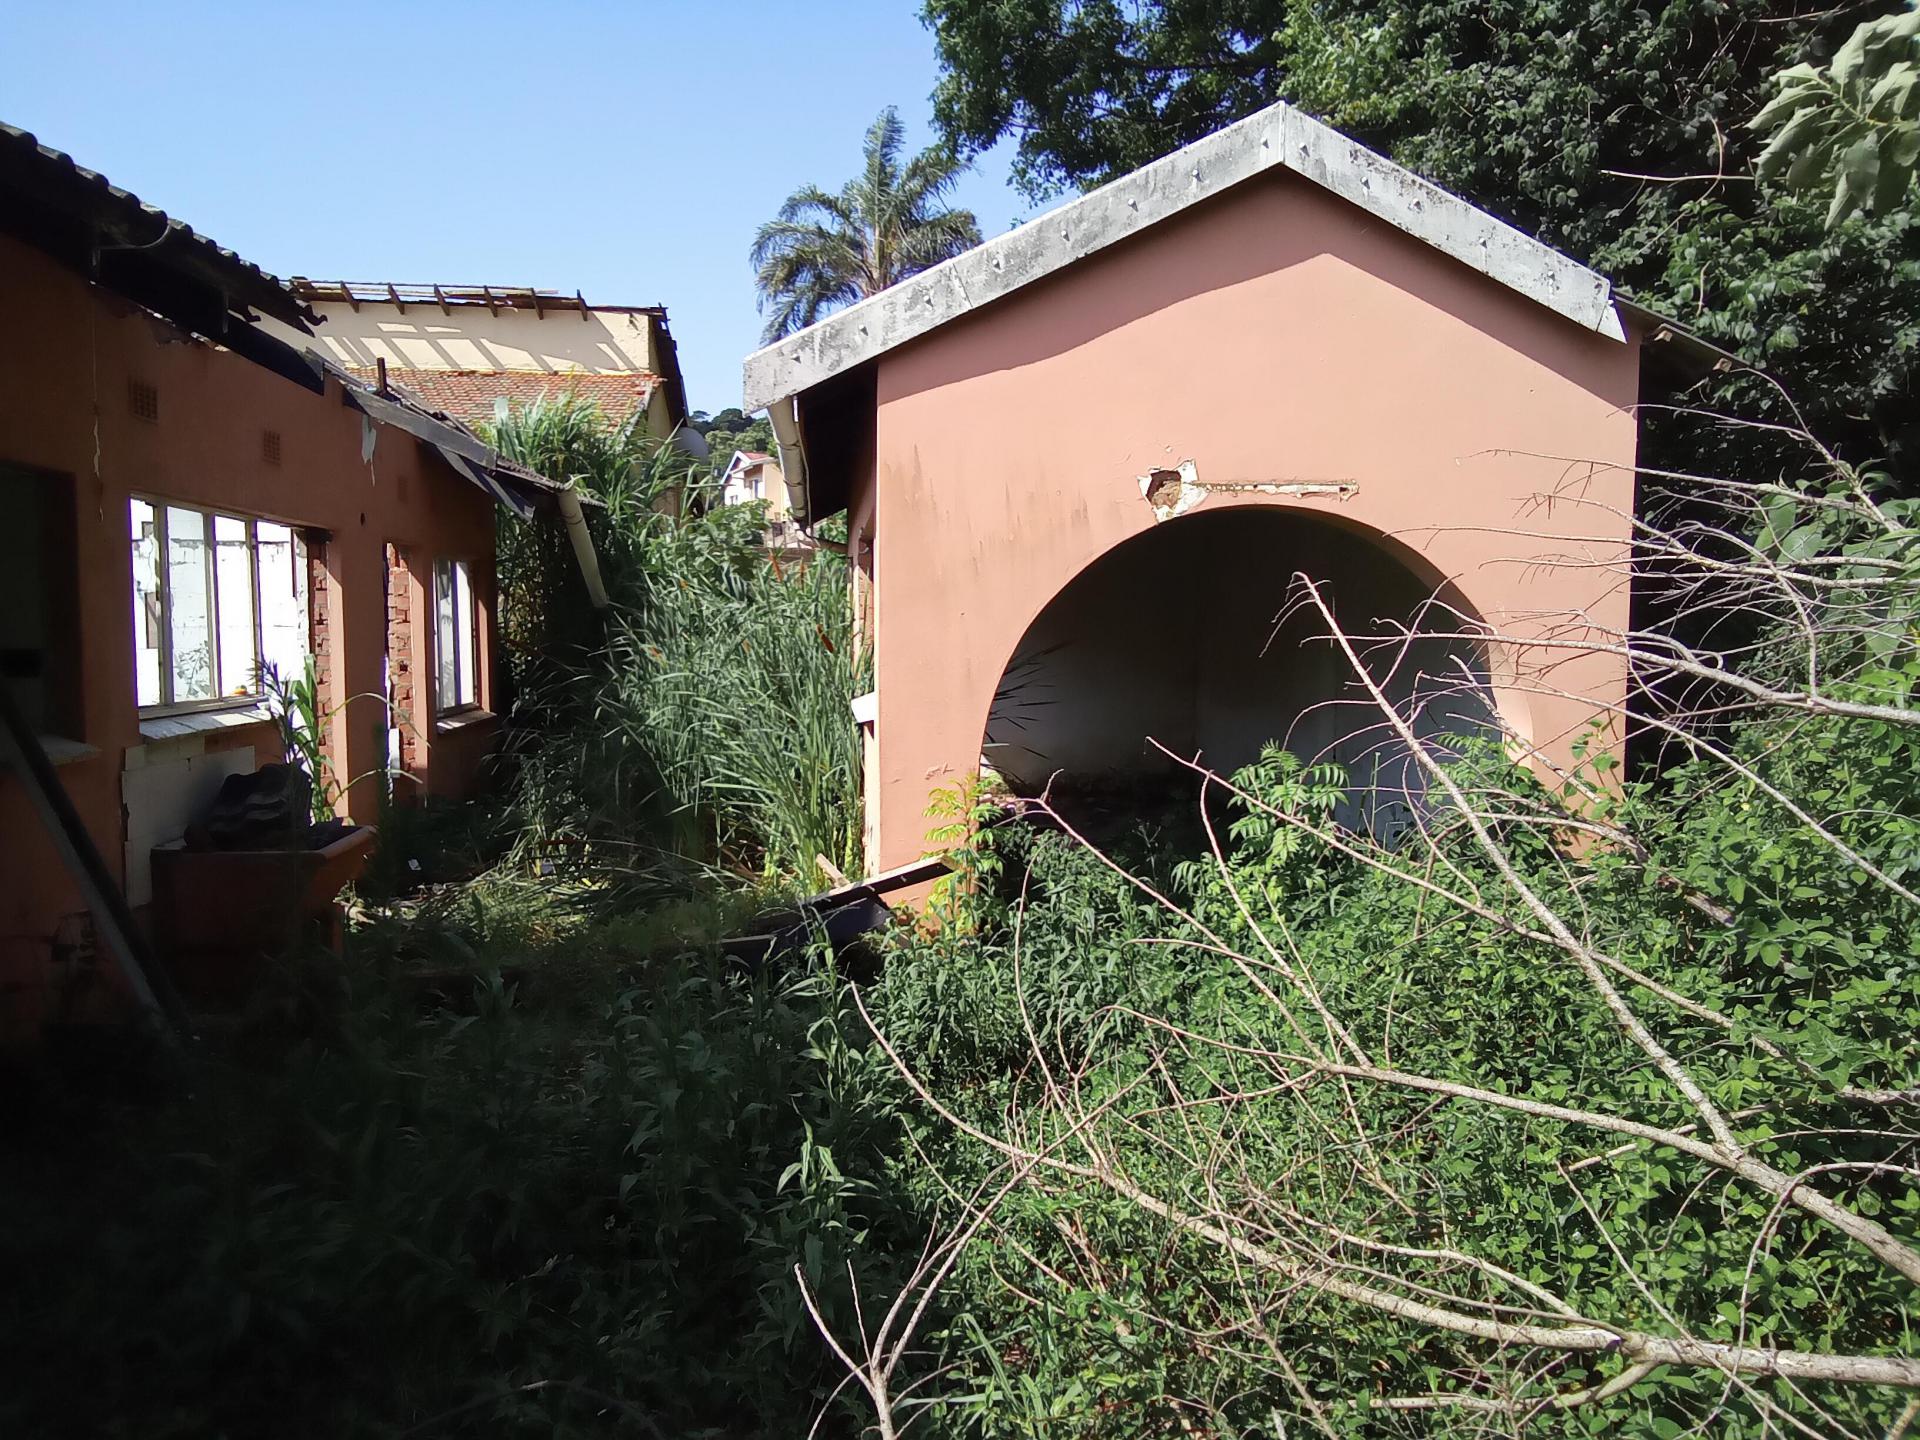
(445, 298)
(471, 395)
(1278, 138)
(117, 239)
(521, 490)
(119, 242)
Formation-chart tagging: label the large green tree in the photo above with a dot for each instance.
(1615, 129)
(825, 250)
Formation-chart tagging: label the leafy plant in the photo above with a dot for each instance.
(1852, 125)
(561, 1207)
(294, 703)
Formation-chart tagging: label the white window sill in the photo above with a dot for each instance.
(61, 751)
(200, 722)
(461, 720)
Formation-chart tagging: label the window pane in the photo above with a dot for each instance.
(283, 600)
(190, 592)
(465, 618)
(446, 651)
(233, 581)
(146, 604)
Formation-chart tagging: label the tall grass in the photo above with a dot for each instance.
(705, 717)
(735, 679)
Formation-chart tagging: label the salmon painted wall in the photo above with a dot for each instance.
(64, 408)
(1275, 335)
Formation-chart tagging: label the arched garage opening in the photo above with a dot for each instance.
(1186, 635)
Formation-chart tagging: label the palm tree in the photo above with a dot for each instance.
(825, 251)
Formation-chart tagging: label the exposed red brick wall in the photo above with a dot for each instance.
(402, 671)
(320, 617)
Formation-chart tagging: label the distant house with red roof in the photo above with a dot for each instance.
(462, 350)
(755, 475)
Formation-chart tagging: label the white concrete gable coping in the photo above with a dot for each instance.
(1276, 138)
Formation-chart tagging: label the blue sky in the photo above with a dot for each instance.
(627, 150)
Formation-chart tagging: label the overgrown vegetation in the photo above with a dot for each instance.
(1589, 1105)
(537, 1159)
(483, 1214)
(1586, 1106)
(701, 721)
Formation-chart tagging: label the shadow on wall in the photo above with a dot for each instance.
(559, 344)
(1196, 635)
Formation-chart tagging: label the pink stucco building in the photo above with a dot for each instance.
(184, 500)
(1082, 463)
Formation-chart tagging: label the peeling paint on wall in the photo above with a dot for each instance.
(1174, 492)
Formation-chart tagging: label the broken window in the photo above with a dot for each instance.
(218, 601)
(456, 620)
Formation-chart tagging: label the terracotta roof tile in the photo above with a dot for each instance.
(469, 395)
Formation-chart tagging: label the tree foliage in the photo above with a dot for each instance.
(826, 249)
(1615, 130)
(1853, 125)
(729, 430)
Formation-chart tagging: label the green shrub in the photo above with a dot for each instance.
(576, 1215)
(1148, 1044)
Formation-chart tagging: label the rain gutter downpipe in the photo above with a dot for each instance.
(793, 458)
(576, 518)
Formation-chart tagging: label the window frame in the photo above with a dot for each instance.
(451, 566)
(161, 505)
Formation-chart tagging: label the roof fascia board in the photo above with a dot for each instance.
(1276, 138)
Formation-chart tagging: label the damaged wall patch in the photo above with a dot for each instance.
(1174, 492)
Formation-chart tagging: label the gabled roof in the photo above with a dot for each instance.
(744, 460)
(1274, 139)
(471, 395)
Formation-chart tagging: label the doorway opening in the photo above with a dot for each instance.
(1195, 635)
